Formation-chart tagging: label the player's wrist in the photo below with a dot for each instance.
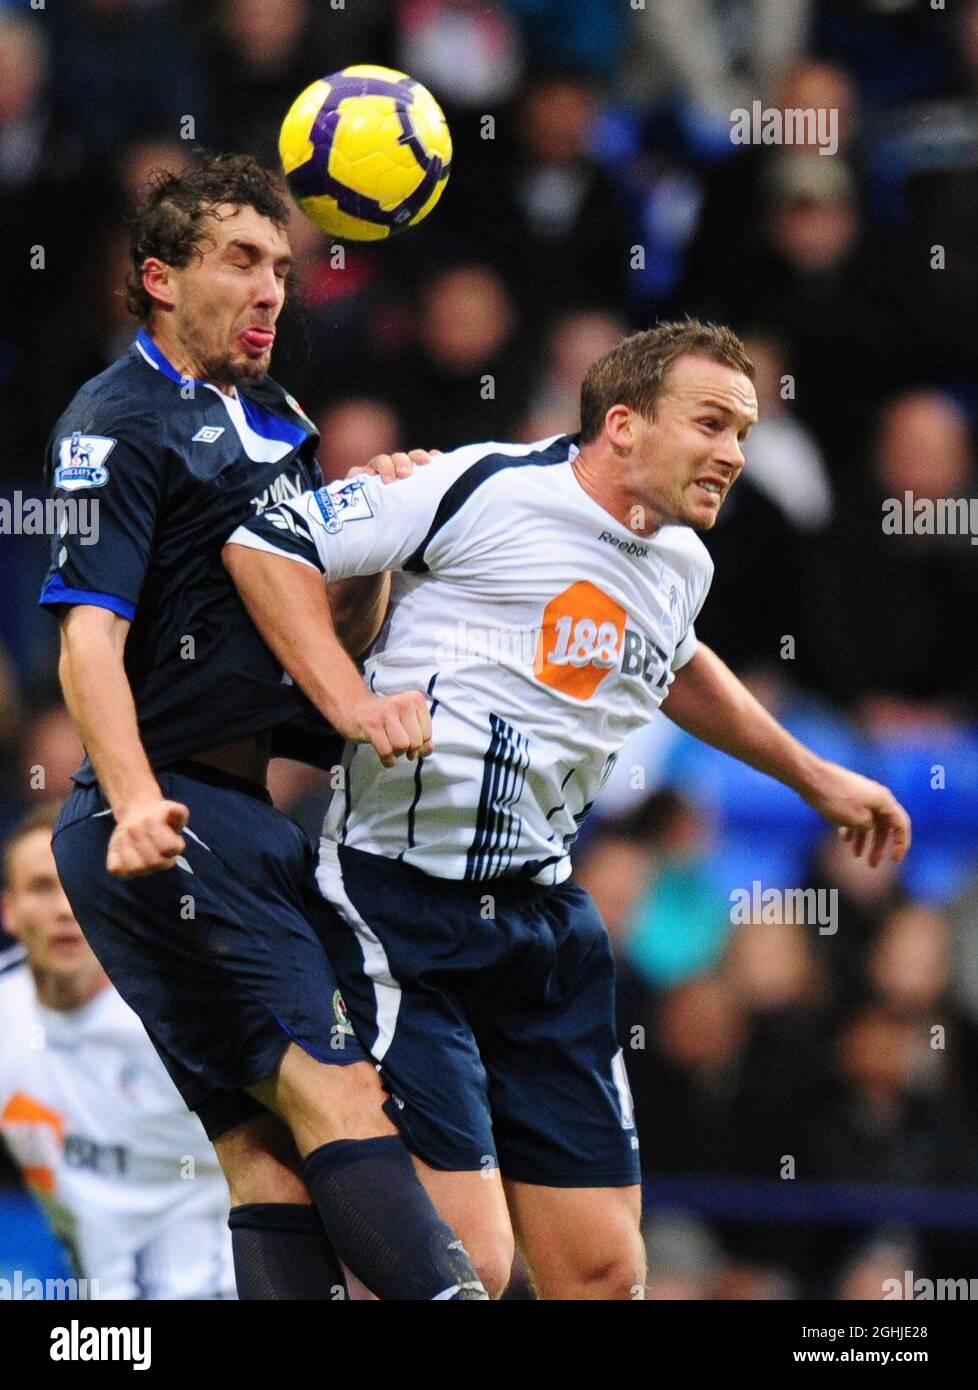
(812, 775)
(125, 801)
(343, 701)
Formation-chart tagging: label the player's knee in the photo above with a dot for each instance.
(321, 1103)
(611, 1268)
(493, 1260)
(260, 1163)
(620, 1274)
(262, 1179)
(350, 1101)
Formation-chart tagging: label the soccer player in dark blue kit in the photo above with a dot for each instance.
(192, 889)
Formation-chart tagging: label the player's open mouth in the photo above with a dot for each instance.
(711, 488)
(258, 339)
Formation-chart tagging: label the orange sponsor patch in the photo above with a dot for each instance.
(35, 1133)
(580, 640)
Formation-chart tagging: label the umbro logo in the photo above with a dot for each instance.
(207, 434)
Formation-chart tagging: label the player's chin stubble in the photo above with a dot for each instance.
(226, 369)
(223, 366)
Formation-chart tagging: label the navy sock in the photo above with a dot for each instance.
(383, 1225)
(281, 1252)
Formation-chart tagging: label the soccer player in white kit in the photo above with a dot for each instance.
(123, 1170)
(542, 607)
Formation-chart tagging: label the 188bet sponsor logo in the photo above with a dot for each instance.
(584, 636)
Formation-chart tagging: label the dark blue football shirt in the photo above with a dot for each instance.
(175, 466)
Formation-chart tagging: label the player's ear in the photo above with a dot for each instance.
(619, 428)
(157, 281)
(7, 916)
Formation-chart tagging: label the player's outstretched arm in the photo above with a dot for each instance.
(287, 603)
(707, 700)
(96, 690)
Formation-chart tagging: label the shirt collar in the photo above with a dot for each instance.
(156, 358)
(159, 361)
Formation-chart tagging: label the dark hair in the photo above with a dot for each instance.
(43, 817)
(634, 372)
(169, 223)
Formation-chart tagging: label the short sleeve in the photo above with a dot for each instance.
(685, 649)
(360, 526)
(106, 489)
(686, 646)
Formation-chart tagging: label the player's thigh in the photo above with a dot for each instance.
(217, 956)
(261, 1163)
(322, 1102)
(580, 1242)
(561, 1109)
(474, 1205)
(397, 959)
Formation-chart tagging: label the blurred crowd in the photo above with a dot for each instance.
(595, 187)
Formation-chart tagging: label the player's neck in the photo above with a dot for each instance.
(62, 995)
(595, 472)
(181, 359)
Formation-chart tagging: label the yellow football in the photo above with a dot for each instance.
(366, 152)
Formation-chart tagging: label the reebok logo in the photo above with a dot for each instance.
(626, 547)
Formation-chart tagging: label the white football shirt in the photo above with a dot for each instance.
(102, 1137)
(542, 630)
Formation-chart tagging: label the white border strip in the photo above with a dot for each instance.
(387, 991)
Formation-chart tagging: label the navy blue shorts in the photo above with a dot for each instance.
(218, 956)
(495, 1034)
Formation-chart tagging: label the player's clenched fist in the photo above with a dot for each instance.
(147, 838)
(392, 724)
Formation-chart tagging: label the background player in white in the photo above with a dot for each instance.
(122, 1168)
(581, 552)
